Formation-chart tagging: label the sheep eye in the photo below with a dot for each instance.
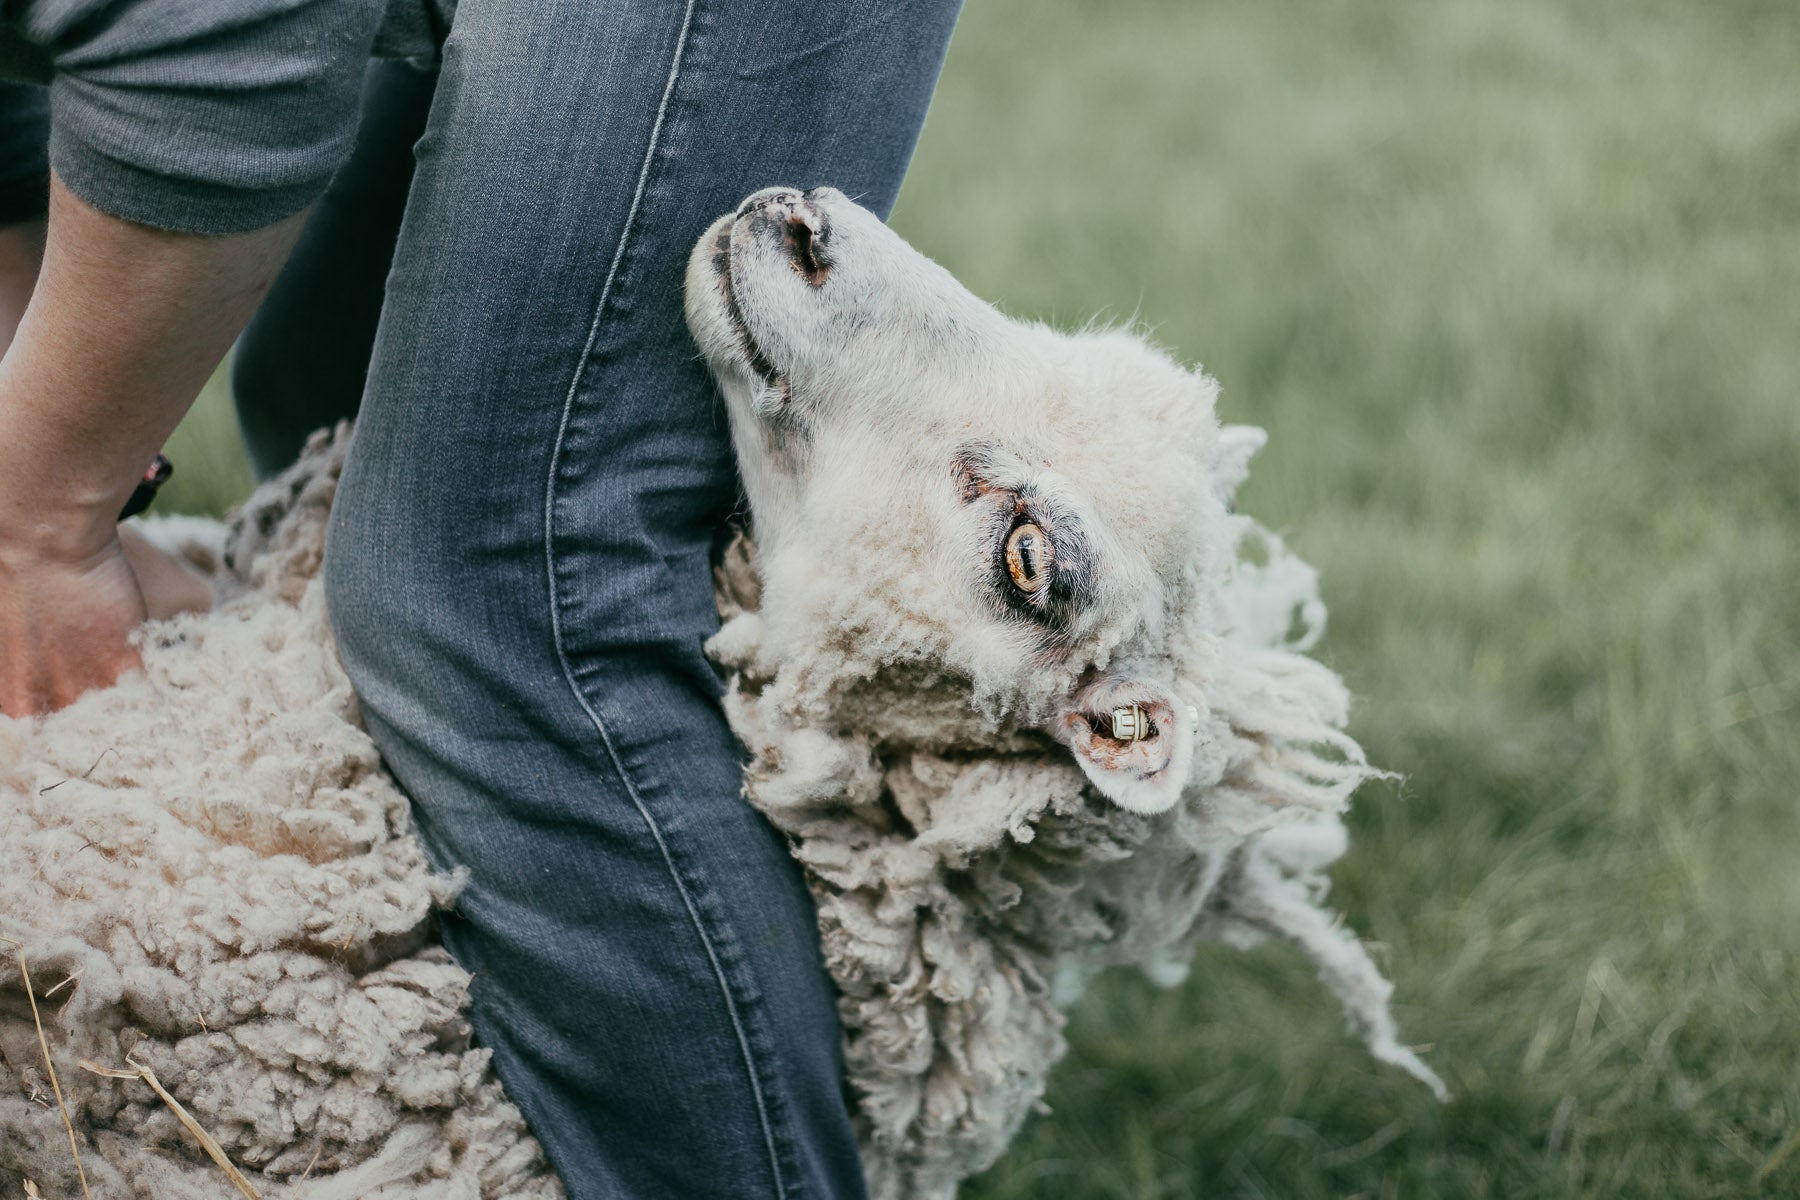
(1029, 557)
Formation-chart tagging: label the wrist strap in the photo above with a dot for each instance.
(158, 474)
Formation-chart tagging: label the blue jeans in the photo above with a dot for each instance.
(519, 568)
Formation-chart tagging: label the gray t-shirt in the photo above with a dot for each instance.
(200, 116)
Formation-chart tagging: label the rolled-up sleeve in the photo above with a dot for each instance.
(201, 116)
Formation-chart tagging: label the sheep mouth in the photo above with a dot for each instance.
(752, 354)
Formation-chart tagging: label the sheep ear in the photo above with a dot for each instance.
(1132, 738)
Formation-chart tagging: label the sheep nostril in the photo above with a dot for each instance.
(803, 242)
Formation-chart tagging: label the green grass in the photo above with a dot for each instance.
(212, 471)
(1515, 287)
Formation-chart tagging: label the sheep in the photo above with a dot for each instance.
(1025, 693)
(1007, 679)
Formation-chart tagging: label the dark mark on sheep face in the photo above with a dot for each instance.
(785, 433)
(752, 352)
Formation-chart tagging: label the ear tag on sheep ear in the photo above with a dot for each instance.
(1130, 724)
(1127, 735)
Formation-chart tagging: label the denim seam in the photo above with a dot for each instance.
(562, 655)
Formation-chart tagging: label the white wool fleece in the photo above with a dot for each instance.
(213, 854)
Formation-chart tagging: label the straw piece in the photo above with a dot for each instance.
(94, 1068)
(44, 1044)
(213, 1149)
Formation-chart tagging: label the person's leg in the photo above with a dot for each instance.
(302, 360)
(519, 576)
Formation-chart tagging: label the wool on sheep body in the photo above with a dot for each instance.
(965, 889)
(211, 863)
(212, 854)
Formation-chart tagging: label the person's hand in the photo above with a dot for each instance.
(124, 325)
(66, 618)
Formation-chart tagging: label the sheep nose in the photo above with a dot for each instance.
(803, 226)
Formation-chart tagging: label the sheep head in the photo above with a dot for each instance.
(939, 490)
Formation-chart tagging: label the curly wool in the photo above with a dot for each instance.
(212, 876)
(966, 888)
(211, 852)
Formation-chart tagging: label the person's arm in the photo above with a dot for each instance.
(179, 135)
(125, 325)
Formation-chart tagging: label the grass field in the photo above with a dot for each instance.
(1515, 287)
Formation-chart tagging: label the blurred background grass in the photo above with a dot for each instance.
(1515, 287)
